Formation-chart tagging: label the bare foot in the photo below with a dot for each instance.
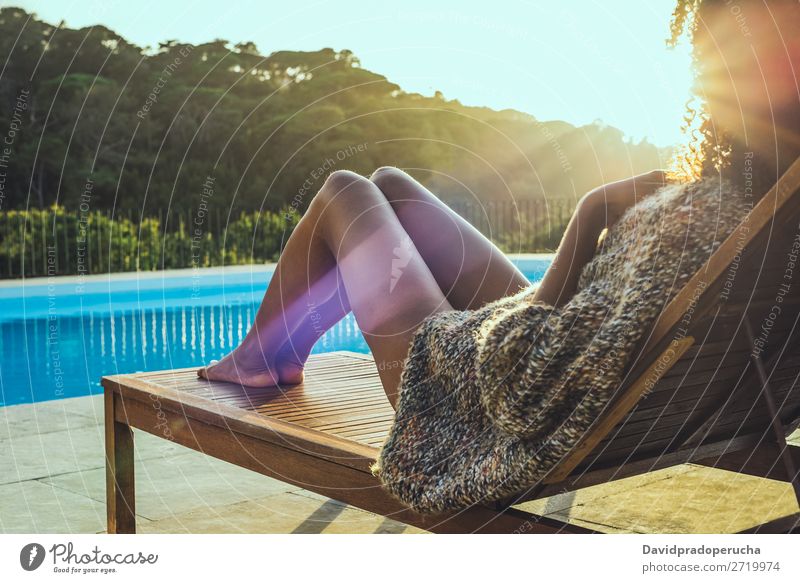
(254, 370)
(247, 365)
(288, 366)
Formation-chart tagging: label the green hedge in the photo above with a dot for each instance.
(56, 242)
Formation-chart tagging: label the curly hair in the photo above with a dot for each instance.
(707, 150)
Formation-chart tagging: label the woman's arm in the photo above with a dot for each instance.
(597, 210)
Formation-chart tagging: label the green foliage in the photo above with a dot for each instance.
(113, 146)
(57, 242)
(148, 126)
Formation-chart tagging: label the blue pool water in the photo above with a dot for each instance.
(59, 336)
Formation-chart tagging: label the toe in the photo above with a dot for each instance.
(203, 371)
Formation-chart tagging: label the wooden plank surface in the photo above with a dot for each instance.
(342, 396)
(313, 435)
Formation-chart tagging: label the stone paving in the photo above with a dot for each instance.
(52, 480)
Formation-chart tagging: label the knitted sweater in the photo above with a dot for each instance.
(492, 398)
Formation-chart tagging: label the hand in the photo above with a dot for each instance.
(611, 200)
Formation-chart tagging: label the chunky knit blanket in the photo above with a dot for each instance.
(491, 399)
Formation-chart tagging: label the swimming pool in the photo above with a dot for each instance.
(58, 336)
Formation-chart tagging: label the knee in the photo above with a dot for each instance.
(392, 181)
(340, 181)
(342, 193)
(338, 187)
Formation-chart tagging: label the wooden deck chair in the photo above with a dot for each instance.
(715, 383)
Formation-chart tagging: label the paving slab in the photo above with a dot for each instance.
(30, 457)
(562, 502)
(166, 486)
(52, 479)
(280, 513)
(794, 438)
(703, 500)
(34, 507)
(50, 416)
(34, 456)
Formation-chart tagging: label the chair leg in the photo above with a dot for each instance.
(763, 460)
(785, 525)
(120, 491)
(778, 430)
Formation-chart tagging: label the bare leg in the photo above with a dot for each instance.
(306, 275)
(472, 271)
(469, 268)
(349, 251)
(298, 307)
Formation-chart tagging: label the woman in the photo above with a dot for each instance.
(392, 253)
(494, 380)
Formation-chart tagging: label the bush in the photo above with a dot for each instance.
(55, 242)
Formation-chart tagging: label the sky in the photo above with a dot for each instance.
(571, 60)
